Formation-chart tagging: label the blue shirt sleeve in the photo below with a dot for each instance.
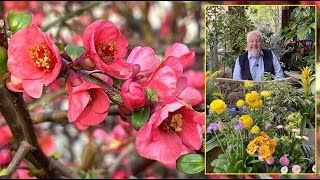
(278, 73)
(236, 71)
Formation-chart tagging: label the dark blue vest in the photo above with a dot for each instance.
(245, 68)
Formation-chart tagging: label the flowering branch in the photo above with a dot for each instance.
(21, 153)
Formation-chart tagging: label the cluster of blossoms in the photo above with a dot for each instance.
(174, 127)
(266, 147)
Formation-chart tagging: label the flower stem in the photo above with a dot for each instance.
(221, 145)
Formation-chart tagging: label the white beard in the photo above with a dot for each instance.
(255, 52)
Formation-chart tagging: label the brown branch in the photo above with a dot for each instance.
(21, 153)
(59, 116)
(55, 164)
(46, 99)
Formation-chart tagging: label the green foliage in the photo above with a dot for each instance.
(151, 94)
(18, 21)
(140, 117)
(190, 163)
(74, 51)
(298, 38)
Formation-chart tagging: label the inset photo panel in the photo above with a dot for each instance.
(260, 89)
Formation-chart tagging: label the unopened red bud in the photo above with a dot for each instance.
(87, 64)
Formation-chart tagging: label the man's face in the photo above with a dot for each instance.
(254, 45)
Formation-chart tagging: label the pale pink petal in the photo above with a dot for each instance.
(191, 95)
(166, 149)
(174, 63)
(33, 87)
(182, 83)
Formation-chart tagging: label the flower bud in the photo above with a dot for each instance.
(88, 155)
(5, 157)
(132, 95)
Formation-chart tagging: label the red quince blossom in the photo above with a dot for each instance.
(172, 130)
(167, 79)
(106, 46)
(34, 58)
(132, 95)
(5, 135)
(146, 58)
(182, 52)
(88, 104)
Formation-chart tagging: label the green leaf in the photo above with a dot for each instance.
(151, 94)
(74, 51)
(3, 61)
(56, 155)
(313, 25)
(254, 161)
(301, 33)
(4, 172)
(117, 97)
(139, 118)
(60, 47)
(17, 21)
(248, 169)
(190, 163)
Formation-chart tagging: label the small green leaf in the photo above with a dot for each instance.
(3, 61)
(117, 97)
(60, 47)
(4, 172)
(56, 155)
(151, 94)
(139, 118)
(190, 163)
(18, 21)
(301, 33)
(74, 51)
(254, 161)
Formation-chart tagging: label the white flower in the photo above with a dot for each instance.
(284, 170)
(314, 168)
(280, 126)
(296, 169)
(298, 137)
(305, 138)
(295, 130)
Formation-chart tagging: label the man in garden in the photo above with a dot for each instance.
(252, 64)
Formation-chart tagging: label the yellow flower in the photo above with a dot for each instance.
(215, 74)
(253, 99)
(255, 129)
(247, 121)
(264, 151)
(265, 94)
(248, 84)
(218, 106)
(240, 103)
(251, 148)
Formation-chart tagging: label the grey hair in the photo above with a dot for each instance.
(256, 32)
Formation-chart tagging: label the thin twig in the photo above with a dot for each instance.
(55, 164)
(124, 153)
(46, 99)
(22, 151)
(73, 14)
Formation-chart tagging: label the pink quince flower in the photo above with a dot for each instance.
(5, 135)
(34, 58)
(167, 79)
(194, 92)
(132, 95)
(88, 104)
(146, 58)
(170, 132)
(5, 157)
(181, 52)
(106, 46)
